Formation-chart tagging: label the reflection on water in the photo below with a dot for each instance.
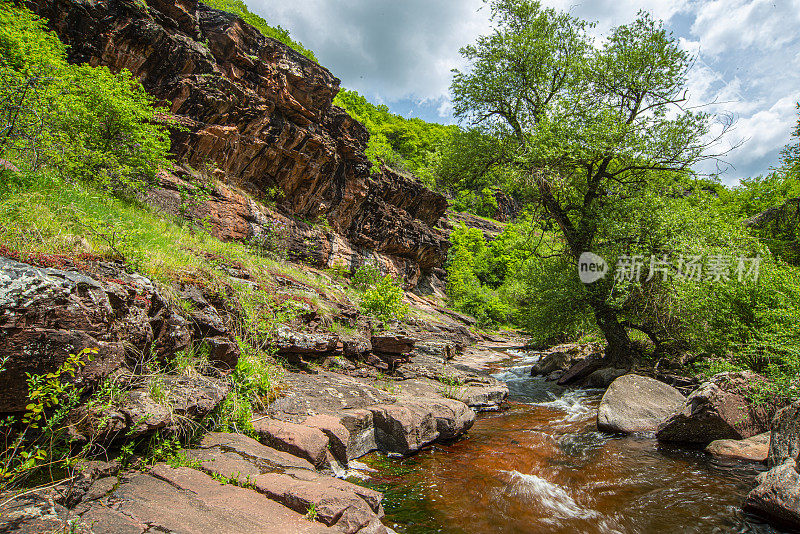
(541, 466)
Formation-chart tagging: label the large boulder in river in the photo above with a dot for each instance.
(777, 496)
(719, 409)
(785, 435)
(562, 357)
(634, 403)
(602, 378)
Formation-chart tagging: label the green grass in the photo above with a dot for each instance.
(46, 215)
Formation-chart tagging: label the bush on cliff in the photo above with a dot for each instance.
(384, 300)
(85, 122)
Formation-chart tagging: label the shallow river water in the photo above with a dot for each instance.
(541, 466)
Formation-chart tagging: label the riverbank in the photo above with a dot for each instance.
(542, 466)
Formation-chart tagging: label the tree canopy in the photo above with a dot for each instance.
(597, 127)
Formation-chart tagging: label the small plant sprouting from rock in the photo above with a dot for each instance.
(311, 514)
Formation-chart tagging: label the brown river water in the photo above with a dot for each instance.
(541, 466)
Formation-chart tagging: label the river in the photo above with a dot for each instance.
(541, 466)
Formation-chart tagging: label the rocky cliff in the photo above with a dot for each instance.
(262, 115)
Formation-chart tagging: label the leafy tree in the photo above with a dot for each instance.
(594, 127)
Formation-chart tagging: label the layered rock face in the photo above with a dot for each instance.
(263, 114)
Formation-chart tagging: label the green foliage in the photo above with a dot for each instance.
(790, 155)
(311, 514)
(384, 300)
(239, 8)
(111, 128)
(397, 142)
(481, 203)
(365, 277)
(37, 437)
(84, 121)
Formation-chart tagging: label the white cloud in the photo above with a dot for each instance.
(401, 53)
(388, 49)
(723, 25)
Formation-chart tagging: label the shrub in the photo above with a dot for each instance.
(365, 277)
(37, 437)
(86, 121)
(384, 300)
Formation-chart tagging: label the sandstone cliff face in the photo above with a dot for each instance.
(263, 114)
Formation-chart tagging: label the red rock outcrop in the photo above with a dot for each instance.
(263, 114)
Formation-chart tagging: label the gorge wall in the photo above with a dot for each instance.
(261, 115)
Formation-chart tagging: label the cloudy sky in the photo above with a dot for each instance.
(400, 53)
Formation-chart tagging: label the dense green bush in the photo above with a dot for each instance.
(474, 270)
(384, 300)
(87, 122)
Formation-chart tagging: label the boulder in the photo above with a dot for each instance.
(401, 429)
(223, 352)
(300, 440)
(554, 361)
(338, 435)
(392, 343)
(718, 409)
(634, 403)
(777, 496)
(755, 448)
(785, 435)
(411, 424)
(360, 425)
(581, 369)
(46, 314)
(166, 403)
(296, 344)
(602, 378)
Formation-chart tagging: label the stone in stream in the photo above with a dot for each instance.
(602, 378)
(755, 448)
(777, 496)
(581, 369)
(719, 409)
(634, 403)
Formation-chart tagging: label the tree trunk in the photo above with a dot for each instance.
(619, 352)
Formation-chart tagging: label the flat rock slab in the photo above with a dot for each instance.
(777, 496)
(324, 393)
(487, 395)
(634, 403)
(242, 458)
(186, 501)
(300, 440)
(754, 449)
(335, 502)
(293, 483)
